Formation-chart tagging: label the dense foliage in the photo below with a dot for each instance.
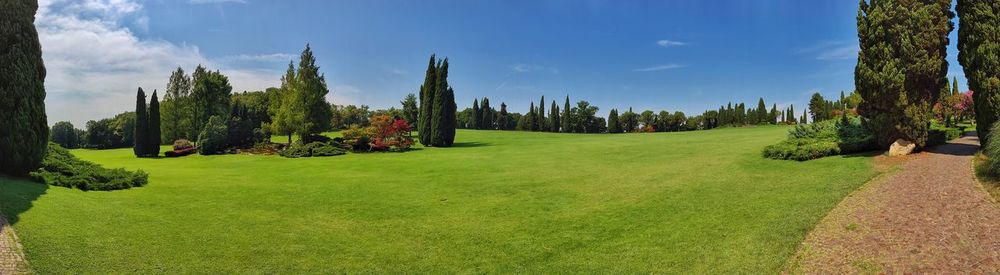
(826, 138)
(313, 149)
(60, 168)
(64, 134)
(901, 67)
(213, 139)
(443, 121)
(979, 54)
(24, 130)
(990, 167)
(109, 133)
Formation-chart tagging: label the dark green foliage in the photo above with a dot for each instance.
(108, 133)
(825, 138)
(901, 68)
(979, 54)
(141, 125)
(213, 138)
(249, 119)
(630, 121)
(543, 124)
(311, 91)
(486, 115)
(991, 166)
(427, 103)
(153, 127)
(940, 134)
(443, 116)
(60, 168)
(586, 118)
(24, 129)
(313, 149)
(410, 110)
(64, 134)
(567, 118)
(762, 114)
(477, 115)
(817, 106)
(556, 121)
(176, 108)
(504, 119)
(614, 125)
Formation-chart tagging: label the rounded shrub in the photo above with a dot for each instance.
(213, 138)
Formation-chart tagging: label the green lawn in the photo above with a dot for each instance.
(498, 202)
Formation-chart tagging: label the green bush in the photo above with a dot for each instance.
(313, 149)
(940, 134)
(60, 168)
(991, 166)
(213, 138)
(824, 138)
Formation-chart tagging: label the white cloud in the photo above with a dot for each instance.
(274, 57)
(95, 63)
(660, 68)
(831, 50)
(198, 2)
(668, 43)
(526, 68)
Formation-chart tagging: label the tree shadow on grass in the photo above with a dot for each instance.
(17, 195)
(469, 144)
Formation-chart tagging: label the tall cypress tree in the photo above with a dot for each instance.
(427, 102)
(488, 115)
(25, 130)
(503, 121)
(153, 131)
(567, 117)
(141, 129)
(477, 116)
(773, 115)
(542, 122)
(901, 67)
(554, 116)
(533, 122)
(978, 48)
(614, 125)
(443, 115)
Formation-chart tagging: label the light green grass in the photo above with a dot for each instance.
(498, 202)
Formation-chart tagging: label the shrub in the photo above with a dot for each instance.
(357, 139)
(844, 135)
(313, 149)
(991, 166)
(182, 144)
(212, 139)
(60, 168)
(940, 134)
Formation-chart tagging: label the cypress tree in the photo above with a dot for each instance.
(444, 108)
(567, 119)
(533, 118)
(791, 113)
(554, 116)
(141, 130)
(427, 103)
(614, 125)
(773, 115)
(542, 123)
(153, 131)
(901, 69)
(487, 114)
(24, 129)
(978, 48)
(477, 116)
(761, 112)
(805, 118)
(954, 85)
(503, 121)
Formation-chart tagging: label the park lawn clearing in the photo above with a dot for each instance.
(497, 202)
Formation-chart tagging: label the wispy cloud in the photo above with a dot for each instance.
(831, 50)
(527, 68)
(199, 2)
(273, 57)
(669, 43)
(660, 68)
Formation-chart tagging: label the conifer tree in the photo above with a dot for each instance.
(141, 129)
(312, 91)
(978, 49)
(533, 121)
(443, 115)
(410, 110)
(614, 126)
(554, 116)
(567, 117)
(487, 114)
(772, 117)
(477, 116)
(24, 126)
(427, 102)
(153, 128)
(503, 121)
(761, 112)
(542, 123)
(901, 69)
(176, 107)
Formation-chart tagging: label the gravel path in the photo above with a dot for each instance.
(11, 257)
(930, 216)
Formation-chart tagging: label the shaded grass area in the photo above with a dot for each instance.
(498, 202)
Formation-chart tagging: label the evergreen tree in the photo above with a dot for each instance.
(817, 106)
(533, 118)
(487, 114)
(804, 118)
(443, 115)
(287, 116)
(554, 117)
(901, 67)
(772, 117)
(141, 130)
(978, 49)
(954, 85)
(311, 91)
(761, 112)
(477, 116)
(427, 102)
(153, 127)
(543, 124)
(410, 110)
(503, 121)
(614, 126)
(567, 118)
(25, 131)
(791, 113)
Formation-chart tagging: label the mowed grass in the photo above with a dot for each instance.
(498, 202)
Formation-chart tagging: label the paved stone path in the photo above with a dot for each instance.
(930, 216)
(11, 256)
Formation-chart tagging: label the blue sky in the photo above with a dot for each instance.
(659, 55)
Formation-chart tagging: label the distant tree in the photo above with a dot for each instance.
(762, 114)
(532, 119)
(614, 125)
(554, 117)
(773, 115)
(212, 139)
(210, 95)
(487, 115)
(630, 123)
(817, 106)
(141, 126)
(477, 115)
(176, 108)
(679, 120)
(567, 117)
(153, 127)
(410, 110)
(978, 49)
(901, 68)
(427, 103)
(543, 124)
(503, 120)
(648, 119)
(287, 117)
(311, 91)
(586, 119)
(804, 119)
(64, 134)
(663, 121)
(24, 128)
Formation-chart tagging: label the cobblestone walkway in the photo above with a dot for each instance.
(11, 256)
